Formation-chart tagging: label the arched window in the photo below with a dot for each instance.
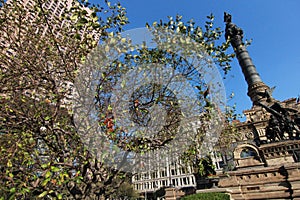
(248, 152)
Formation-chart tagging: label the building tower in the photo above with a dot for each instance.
(55, 11)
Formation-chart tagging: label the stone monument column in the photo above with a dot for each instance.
(258, 91)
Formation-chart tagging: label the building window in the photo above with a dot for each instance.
(153, 175)
(173, 172)
(183, 170)
(184, 181)
(163, 173)
(247, 152)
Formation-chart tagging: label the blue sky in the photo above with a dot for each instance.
(273, 25)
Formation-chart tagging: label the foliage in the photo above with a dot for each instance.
(125, 191)
(208, 36)
(206, 167)
(207, 196)
(41, 155)
(145, 97)
(226, 143)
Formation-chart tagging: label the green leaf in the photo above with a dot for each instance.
(12, 190)
(59, 196)
(47, 118)
(43, 194)
(74, 17)
(44, 166)
(48, 174)
(9, 164)
(54, 169)
(25, 190)
(45, 181)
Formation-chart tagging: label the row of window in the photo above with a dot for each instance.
(177, 182)
(162, 173)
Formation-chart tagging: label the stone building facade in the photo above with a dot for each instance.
(264, 169)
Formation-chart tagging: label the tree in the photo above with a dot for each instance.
(125, 192)
(41, 154)
(147, 95)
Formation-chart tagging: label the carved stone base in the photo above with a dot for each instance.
(257, 91)
(279, 180)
